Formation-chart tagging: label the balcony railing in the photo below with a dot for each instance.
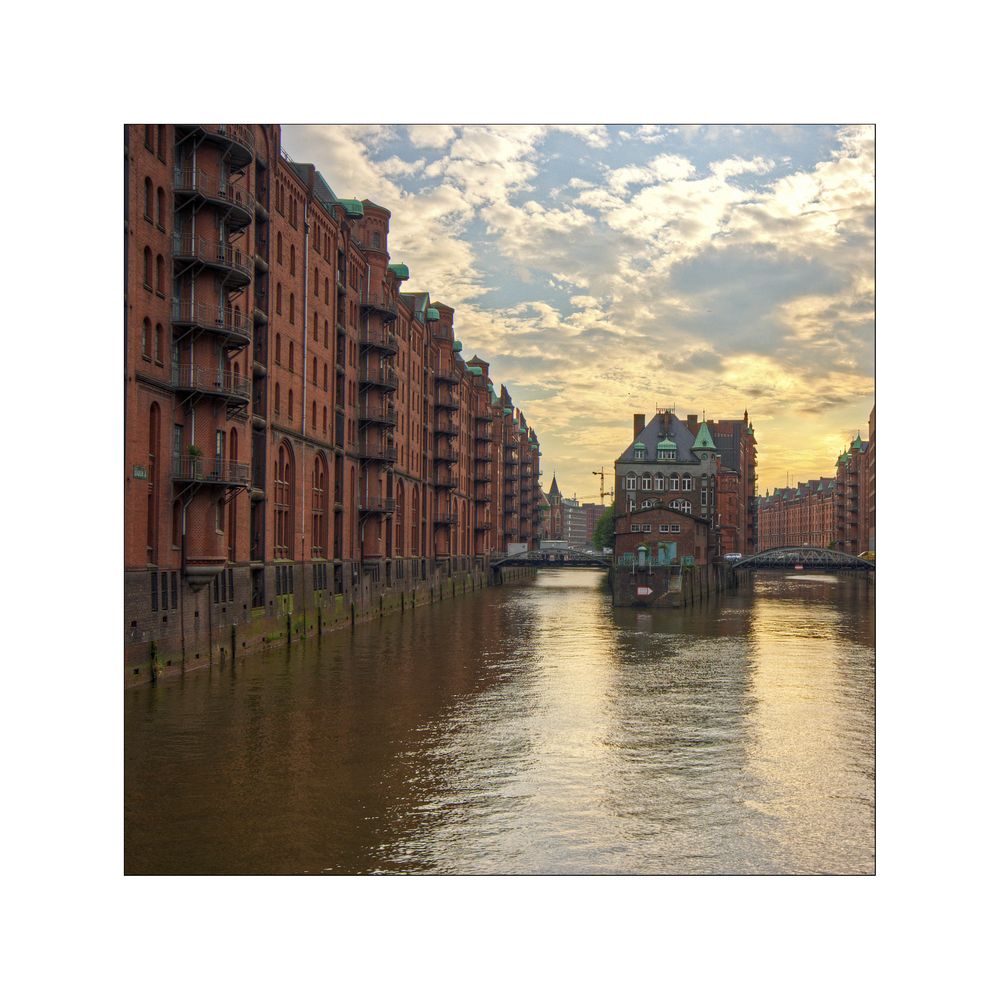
(194, 378)
(240, 135)
(447, 427)
(225, 320)
(190, 180)
(376, 505)
(380, 304)
(214, 253)
(378, 452)
(379, 340)
(378, 415)
(197, 469)
(446, 480)
(447, 401)
(483, 433)
(446, 454)
(447, 375)
(445, 517)
(385, 378)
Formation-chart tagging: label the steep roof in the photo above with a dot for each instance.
(554, 488)
(651, 435)
(704, 439)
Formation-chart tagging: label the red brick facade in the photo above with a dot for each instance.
(295, 420)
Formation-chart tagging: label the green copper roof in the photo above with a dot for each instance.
(433, 313)
(507, 411)
(457, 346)
(857, 443)
(401, 271)
(475, 370)
(638, 444)
(704, 439)
(534, 447)
(353, 207)
(666, 444)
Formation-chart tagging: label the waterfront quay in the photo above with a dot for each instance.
(527, 728)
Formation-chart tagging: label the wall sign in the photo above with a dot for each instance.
(644, 591)
(138, 472)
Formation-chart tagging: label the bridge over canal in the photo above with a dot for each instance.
(808, 557)
(555, 558)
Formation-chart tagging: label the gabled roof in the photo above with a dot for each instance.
(554, 488)
(650, 435)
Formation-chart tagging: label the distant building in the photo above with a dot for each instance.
(575, 524)
(835, 512)
(593, 513)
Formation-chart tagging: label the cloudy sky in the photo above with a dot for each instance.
(606, 270)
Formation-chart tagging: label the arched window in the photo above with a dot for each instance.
(326, 333)
(686, 483)
(159, 273)
(159, 343)
(659, 483)
(291, 307)
(415, 526)
(315, 326)
(151, 477)
(315, 382)
(147, 208)
(630, 481)
(326, 375)
(319, 487)
(314, 414)
(316, 281)
(646, 504)
(291, 356)
(279, 234)
(161, 142)
(147, 338)
(400, 515)
(283, 497)
(149, 137)
(289, 404)
(277, 348)
(292, 251)
(647, 481)
(147, 268)
(326, 291)
(675, 482)
(234, 454)
(161, 198)
(684, 506)
(324, 419)
(277, 398)
(277, 299)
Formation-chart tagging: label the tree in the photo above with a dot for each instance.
(604, 530)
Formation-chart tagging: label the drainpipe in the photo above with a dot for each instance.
(305, 366)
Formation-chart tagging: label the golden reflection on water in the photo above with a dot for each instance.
(525, 729)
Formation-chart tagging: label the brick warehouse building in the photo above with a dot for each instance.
(302, 437)
(835, 512)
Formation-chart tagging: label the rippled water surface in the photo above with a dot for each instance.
(525, 729)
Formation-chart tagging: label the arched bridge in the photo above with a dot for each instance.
(555, 557)
(805, 556)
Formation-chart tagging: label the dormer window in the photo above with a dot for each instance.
(666, 451)
(639, 452)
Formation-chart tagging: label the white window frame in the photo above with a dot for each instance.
(675, 528)
(630, 481)
(634, 529)
(687, 484)
(647, 481)
(647, 528)
(664, 529)
(675, 482)
(658, 480)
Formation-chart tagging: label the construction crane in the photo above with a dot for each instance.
(604, 492)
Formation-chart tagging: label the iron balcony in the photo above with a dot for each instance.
(378, 452)
(385, 416)
(376, 505)
(235, 264)
(212, 471)
(446, 454)
(238, 139)
(384, 378)
(447, 375)
(447, 401)
(449, 428)
(193, 183)
(379, 340)
(193, 378)
(235, 328)
(379, 304)
(446, 518)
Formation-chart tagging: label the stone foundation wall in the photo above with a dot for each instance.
(218, 623)
(669, 586)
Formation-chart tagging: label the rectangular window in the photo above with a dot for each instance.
(647, 528)
(634, 529)
(664, 529)
(173, 591)
(154, 591)
(215, 590)
(165, 583)
(675, 528)
(229, 573)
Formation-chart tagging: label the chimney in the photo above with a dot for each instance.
(692, 422)
(638, 424)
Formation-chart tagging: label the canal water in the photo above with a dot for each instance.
(526, 729)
